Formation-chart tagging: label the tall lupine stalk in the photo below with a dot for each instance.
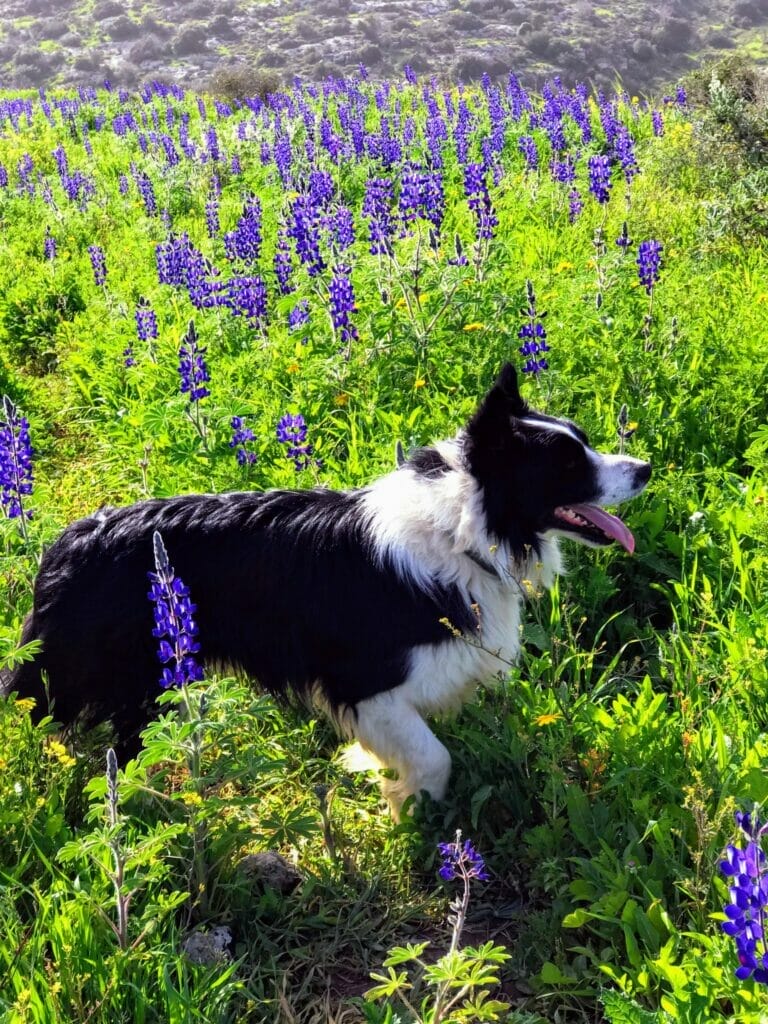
(15, 465)
(194, 376)
(533, 335)
(648, 270)
(176, 630)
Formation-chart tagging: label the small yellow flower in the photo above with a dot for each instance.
(547, 719)
(292, 368)
(419, 383)
(563, 265)
(475, 326)
(762, 297)
(191, 799)
(400, 304)
(25, 704)
(341, 399)
(58, 752)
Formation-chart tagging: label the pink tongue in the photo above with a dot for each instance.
(612, 526)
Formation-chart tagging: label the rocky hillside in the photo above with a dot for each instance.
(647, 44)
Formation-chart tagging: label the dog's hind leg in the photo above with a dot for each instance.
(394, 732)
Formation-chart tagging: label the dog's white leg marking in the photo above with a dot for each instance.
(393, 731)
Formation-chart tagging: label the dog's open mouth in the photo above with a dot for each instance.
(595, 525)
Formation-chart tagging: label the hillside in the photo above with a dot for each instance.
(48, 42)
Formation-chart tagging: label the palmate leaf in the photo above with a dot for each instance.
(390, 984)
(404, 954)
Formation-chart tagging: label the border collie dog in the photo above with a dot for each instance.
(339, 596)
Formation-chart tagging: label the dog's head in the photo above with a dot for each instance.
(540, 476)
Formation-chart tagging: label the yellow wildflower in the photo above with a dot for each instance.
(547, 719)
(419, 383)
(475, 326)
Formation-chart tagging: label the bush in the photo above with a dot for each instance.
(242, 82)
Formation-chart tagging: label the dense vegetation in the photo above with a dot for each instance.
(599, 780)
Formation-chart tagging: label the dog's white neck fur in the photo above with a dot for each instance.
(432, 531)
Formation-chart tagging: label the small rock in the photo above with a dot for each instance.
(208, 948)
(271, 870)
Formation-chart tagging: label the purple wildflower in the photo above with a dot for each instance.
(747, 874)
(624, 241)
(342, 300)
(192, 369)
(299, 315)
(98, 263)
(241, 435)
(479, 200)
(533, 335)
(146, 320)
(174, 626)
(377, 206)
(657, 120)
(649, 263)
(128, 359)
(49, 245)
(292, 432)
(461, 860)
(527, 146)
(575, 204)
(15, 463)
(600, 177)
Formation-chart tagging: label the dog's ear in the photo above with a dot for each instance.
(507, 384)
(491, 422)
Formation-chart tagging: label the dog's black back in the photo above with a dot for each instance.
(286, 587)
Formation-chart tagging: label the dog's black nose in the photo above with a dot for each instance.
(643, 474)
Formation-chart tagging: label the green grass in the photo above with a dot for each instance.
(599, 779)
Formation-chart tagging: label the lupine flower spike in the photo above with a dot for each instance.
(747, 873)
(533, 335)
(15, 464)
(460, 860)
(625, 428)
(175, 627)
(292, 432)
(648, 270)
(241, 435)
(194, 375)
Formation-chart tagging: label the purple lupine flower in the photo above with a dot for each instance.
(600, 177)
(244, 243)
(527, 146)
(564, 170)
(305, 231)
(624, 241)
(128, 358)
(681, 97)
(292, 432)
(192, 368)
(461, 860)
(147, 193)
(175, 627)
(575, 205)
(479, 200)
(282, 263)
(344, 228)
(533, 335)
(624, 151)
(299, 315)
(657, 120)
(342, 301)
(247, 296)
(747, 873)
(377, 206)
(98, 263)
(241, 435)
(15, 463)
(146, 320)
(212, 216)
(649, 263)
(49, 245)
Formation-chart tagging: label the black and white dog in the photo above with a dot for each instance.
(339, 596)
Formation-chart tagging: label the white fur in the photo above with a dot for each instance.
(427, 528)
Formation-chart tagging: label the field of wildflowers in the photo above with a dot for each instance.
(199, 295)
